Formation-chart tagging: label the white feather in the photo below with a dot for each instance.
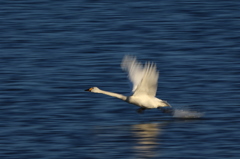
(144, 79)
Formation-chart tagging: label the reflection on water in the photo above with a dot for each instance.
(147, 139)
(153, 139)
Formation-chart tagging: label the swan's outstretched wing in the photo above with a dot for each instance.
(134, 69)
(148, 84)
(144, 79)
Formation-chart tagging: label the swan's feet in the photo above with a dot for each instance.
(141, 110)
(168, 110)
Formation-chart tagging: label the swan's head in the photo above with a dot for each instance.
(93, 89)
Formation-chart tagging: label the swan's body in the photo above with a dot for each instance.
(144, 80)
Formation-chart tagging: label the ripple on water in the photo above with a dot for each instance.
(179, 113)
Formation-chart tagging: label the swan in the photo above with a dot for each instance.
(144, 80)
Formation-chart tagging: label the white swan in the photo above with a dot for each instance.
(144, 81)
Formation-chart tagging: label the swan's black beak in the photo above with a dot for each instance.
(89, 90)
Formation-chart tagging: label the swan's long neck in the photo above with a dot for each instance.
(120, 96)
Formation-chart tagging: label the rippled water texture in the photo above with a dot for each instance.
(51, 51)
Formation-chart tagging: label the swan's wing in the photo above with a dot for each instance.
(148, 84)
(134, 69)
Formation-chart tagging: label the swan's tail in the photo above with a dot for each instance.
(167, 104)
(163, 103)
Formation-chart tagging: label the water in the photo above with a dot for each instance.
(52, 51)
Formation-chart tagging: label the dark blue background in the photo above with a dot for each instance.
(51, 51)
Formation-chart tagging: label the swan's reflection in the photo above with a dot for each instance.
(147, 137)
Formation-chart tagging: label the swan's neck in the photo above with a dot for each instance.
(120, 96)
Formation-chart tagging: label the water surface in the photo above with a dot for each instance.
(52, 51)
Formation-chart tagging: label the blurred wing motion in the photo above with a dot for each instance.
(134, 69)
(144, 79)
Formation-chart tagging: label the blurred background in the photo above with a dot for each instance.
(51, 51)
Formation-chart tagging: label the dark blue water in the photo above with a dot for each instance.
(51, 51)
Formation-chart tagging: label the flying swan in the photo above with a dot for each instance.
(144, 80)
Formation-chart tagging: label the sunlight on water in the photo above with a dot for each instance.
(186, 114)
